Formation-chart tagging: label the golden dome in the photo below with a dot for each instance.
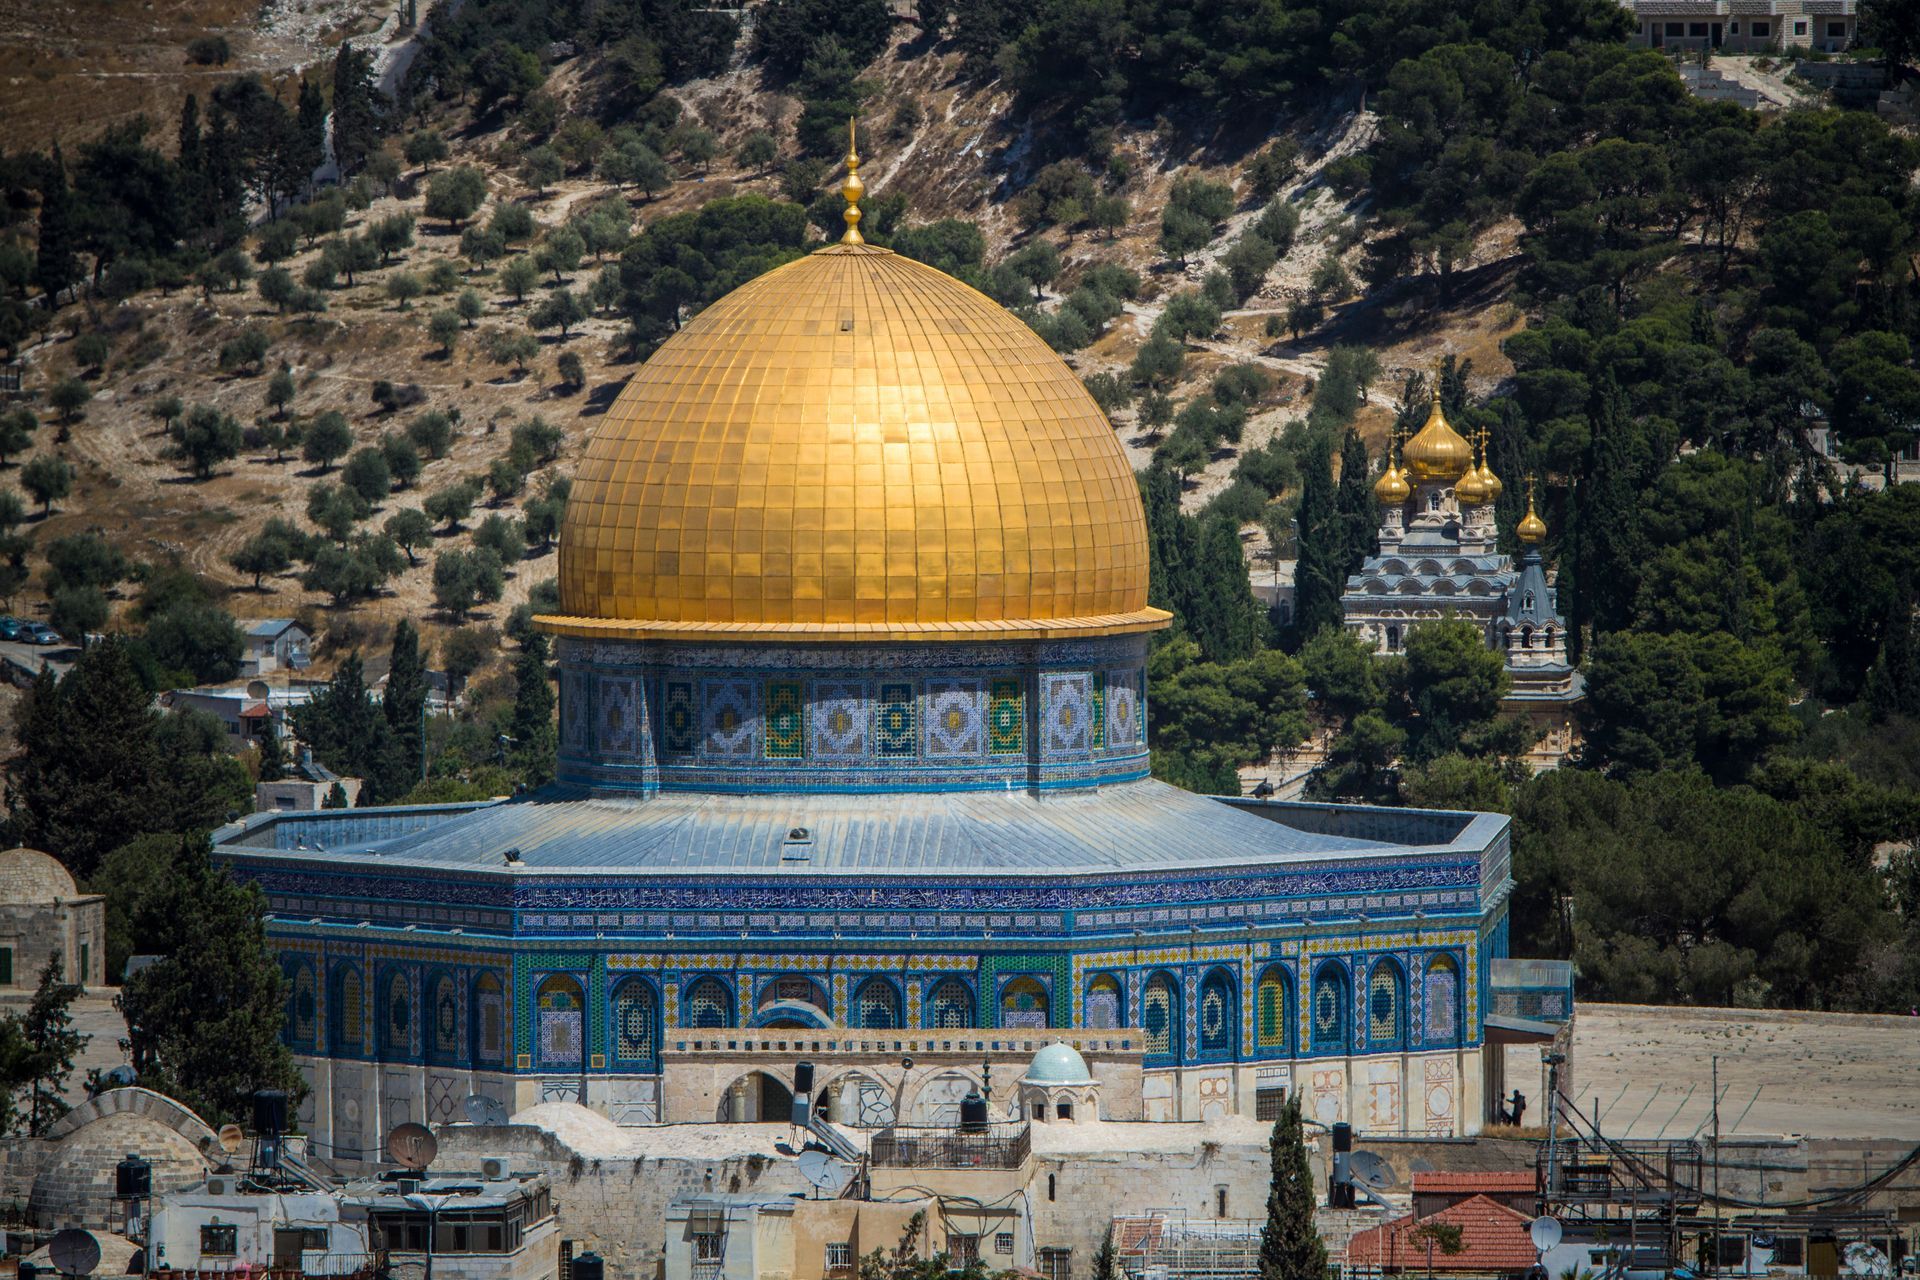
(1491, 481)
(1531, 527)
(1391, 488)
(1470, 488)
(854, 446)
(1437, 452)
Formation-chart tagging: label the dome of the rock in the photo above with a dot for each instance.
(854, 445)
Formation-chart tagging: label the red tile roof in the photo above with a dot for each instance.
(1515, 1182)
(1493, 1238)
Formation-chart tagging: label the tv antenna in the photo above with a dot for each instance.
(412, 1146)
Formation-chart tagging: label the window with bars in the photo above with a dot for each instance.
(962, 1250)
(219, 1240)
(839, 1257)
(1056, 1264)
(1003, 1243)
(709, 1246)
(1269, 1102)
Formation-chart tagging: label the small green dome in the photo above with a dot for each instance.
(1058, 1064)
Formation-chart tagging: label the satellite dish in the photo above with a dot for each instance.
(74, 1252)
(1859, 1259)
(232, 1138)
(1367, 1168)
(821, 1170)
(412, 1145)
(483, 1109)
(1546, 1233)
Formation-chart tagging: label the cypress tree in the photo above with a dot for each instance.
(1319, 573)
(1166, 558)
(1359, 515)
(310, 126)
(1290, 1246)
(1224, 618)
(356, 126)
(57, 265)
(1893, 681)
(405, 707)
(273, 757)
(1606, 554)
(346, 731)
(532, 720)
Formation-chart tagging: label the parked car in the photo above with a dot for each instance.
(39, 633)
(10, 627)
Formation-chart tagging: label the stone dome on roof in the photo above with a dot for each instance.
(75, 1186)
(854, 446)
(28, 875)
(1057, 1064)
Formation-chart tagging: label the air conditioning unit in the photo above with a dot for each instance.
(494, 1169)
(216, 1186)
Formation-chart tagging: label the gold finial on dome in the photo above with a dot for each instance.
(1531, 527)
(852, 189)
(1437, 453)
(1392, 488)
(1492, 481)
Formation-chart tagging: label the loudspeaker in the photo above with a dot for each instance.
(803, 1077)
(802, 1110)
(588, 1266)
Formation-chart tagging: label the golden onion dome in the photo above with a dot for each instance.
(1392, 488)
(1437, 452)
(1531, 527)
(853, 446)
(1470, 488)
(1491, 481)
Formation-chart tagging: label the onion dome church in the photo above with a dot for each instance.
(853, 775)
(1439, 557)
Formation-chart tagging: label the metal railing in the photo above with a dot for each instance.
(994, 1146)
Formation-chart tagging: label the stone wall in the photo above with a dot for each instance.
(74, 931)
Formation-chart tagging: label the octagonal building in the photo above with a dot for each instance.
(853, 771)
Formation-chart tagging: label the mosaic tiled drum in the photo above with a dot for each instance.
(853, 733)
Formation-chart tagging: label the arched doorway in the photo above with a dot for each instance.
(756, 1098)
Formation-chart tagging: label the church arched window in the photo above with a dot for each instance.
(950, 1006)
(1330, 1002)
(1106, 1003)
(1433, 501)
(562, 1023)
(1386, 1006)
(1219, 1015)
(1440, 1003)
(1393, 639)
(1272, 1002)
(636, 1018)
(876, 1006)
(1526, 601)
(1160, 1018)
(709, 1004)
(1024, 1003)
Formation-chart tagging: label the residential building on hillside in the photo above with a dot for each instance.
(1745, 26)
(274, 644)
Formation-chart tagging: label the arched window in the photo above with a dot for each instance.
(1393, 639)
(1330, 1009)
(1441, 1002)
(562, 1029)
(1549, 635)
(443, 1010)
(1160, 1017)
(396, 1017)
(1386, 1006)
(303, 1006)
(347, 1011)
(1106, 1005)
(1526, 601)
(1433, 501)
(1024, 1003)
(709, 1004)
(636, 1015)
(489, 1021)
(1273, 1003)
(1219, 1016)
(950, 1005)
(1526, 637)
(876, 1005)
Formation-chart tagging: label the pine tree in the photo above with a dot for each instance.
(531, 724)
(52, 1044)
(1893, 681)
(1106, 1261)
(356, 123)
(345, 730)
(1359, 516)
(1319, 575)
(1290, 1246)
(273, 757)
(405, 706)
(204, 1023)
(310, 126)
